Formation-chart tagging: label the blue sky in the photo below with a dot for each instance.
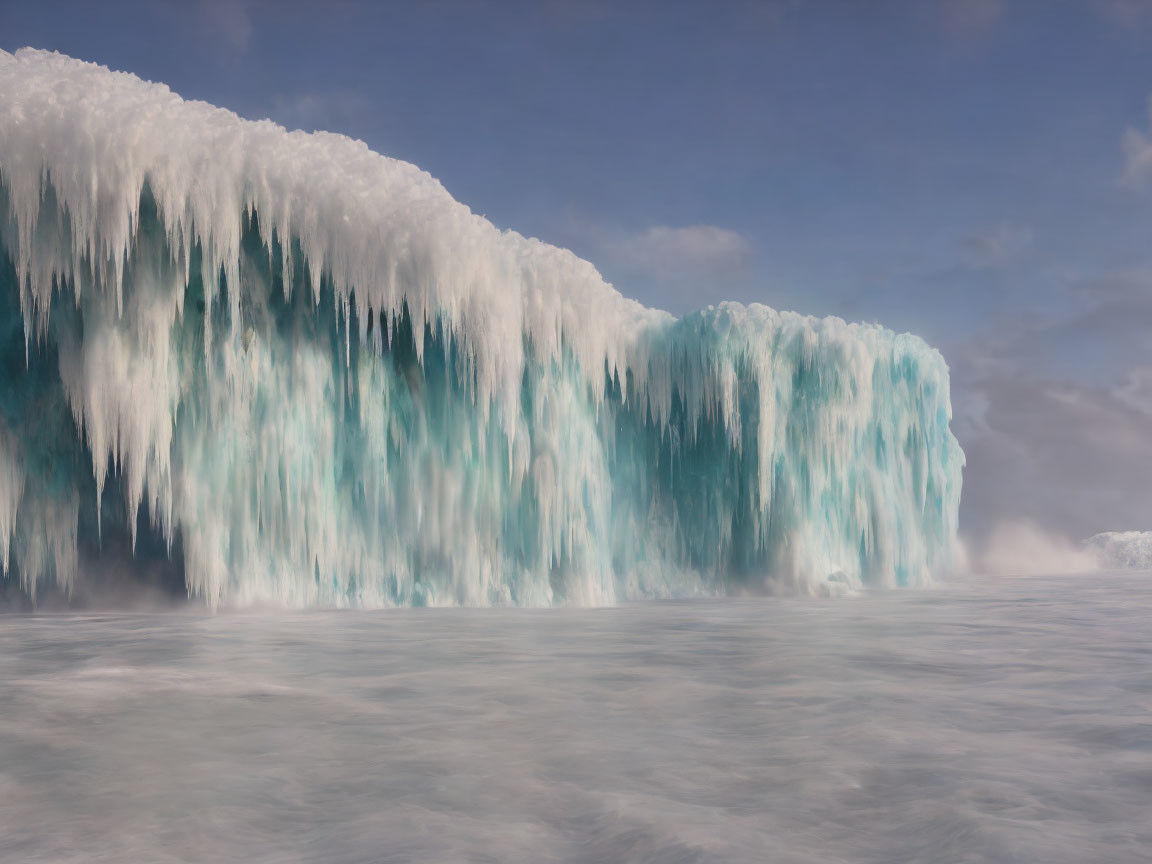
(974, 171)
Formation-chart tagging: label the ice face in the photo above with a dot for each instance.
(322, 381)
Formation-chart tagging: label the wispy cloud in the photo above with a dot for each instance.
(1135, 389)
(997, 245)
(678, 268)
(1129, 14)
(970, 17)
(566, 14)
(662, 250)
(228, 20)
(1137, 149)
(1055, 415)
(569, 14)
(1071, 456)
(327, 110)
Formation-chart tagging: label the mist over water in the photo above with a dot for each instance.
(989, 720)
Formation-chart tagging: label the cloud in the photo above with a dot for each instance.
(1137, 150)
(229, 20)
(665, 251)
(1129, 14)
(568, 14)
(970, 17)
(327, 110)
(1136, 389)
(966, 18)
(674, 267)
(1054, 413)
(1072, 457)
(997, 245)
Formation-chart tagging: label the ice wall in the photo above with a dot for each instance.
(321, 380)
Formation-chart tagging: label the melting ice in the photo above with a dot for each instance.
(306, 373)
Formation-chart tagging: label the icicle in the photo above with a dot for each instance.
(558, 442)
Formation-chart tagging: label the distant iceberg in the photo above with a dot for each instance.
(1122, 550)
(310, 376)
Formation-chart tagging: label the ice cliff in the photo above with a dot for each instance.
(311, 377)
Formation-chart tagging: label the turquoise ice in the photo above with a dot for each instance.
(307, 373)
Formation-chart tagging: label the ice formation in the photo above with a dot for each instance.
(1121, 550)
(316, 379)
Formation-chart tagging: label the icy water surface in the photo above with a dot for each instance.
(1001, 720)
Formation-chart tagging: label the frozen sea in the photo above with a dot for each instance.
(988, 720)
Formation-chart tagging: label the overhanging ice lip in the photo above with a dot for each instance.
(336, 385)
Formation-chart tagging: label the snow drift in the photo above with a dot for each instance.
(307, 374)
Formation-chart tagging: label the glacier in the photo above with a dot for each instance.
(305, 374)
